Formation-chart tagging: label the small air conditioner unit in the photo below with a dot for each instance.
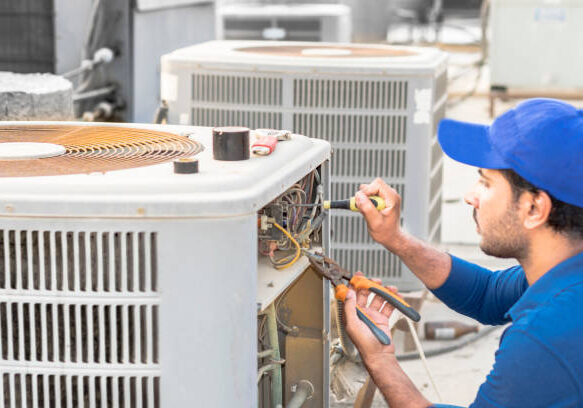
(290, 22)
(536, 45)
(125, 283)
(378, 105)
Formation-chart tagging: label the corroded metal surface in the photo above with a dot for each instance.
(92, 149)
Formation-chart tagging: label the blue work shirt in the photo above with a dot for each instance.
(540, 359)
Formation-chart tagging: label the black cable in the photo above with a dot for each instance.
(414, 355)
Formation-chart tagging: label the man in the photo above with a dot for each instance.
(528, 205)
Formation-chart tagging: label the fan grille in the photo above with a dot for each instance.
(335, 51)
(92, 149)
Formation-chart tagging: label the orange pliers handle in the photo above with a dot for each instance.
(360, 282)
(340, 293)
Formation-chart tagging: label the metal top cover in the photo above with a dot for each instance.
(309, 57)
(114, 170)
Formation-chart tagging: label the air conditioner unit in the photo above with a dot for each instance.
(290, 22)
(535, 45)
(379, 106)
(125, 283)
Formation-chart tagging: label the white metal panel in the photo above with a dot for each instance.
(536, 44)
(159, 27)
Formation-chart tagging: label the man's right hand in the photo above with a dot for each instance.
(383, 226)
(429, 264)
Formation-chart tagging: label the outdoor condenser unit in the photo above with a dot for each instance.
(126, 283)
(379, 106)
(535, 45)
(290, 22)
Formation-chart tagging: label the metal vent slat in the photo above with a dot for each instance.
(350, 94)
(376, 262)
(354, 129)
(369, 163)
(76, 262)
(69, 326)
(435, 214)
(236, 90)
(435, 183)
(72, 391)
(224, 117)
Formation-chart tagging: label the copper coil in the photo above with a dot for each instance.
(91, 149)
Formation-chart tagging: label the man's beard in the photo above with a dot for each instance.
(503, 237)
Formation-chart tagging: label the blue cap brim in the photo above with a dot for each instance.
(469, 143)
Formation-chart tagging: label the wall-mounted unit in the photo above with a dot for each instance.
(536, 45)
(379, 106)
(289, 22)
(125, 283)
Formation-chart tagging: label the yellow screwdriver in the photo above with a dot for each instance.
(350, 204)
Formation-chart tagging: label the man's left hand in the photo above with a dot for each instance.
(379, 311)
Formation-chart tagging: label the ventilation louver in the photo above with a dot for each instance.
(39, 150)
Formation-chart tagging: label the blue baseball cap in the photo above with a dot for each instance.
(540, 139)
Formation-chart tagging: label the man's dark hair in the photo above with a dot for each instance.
(564, 218)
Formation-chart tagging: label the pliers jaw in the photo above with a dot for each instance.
(327, 268)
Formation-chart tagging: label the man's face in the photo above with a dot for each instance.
(497, 216)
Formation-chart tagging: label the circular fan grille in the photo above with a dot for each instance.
(91, 149)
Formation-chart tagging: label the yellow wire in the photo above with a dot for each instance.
(292, 239)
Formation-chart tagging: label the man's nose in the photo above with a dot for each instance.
(472, 199)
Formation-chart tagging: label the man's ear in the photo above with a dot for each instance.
(537, 209)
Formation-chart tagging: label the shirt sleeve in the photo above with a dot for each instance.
(480, 293)
(521, 376)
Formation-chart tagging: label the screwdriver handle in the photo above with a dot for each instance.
(340, 293)
(350, 204)
(360, 282)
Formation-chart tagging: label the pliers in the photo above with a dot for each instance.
(330, 269)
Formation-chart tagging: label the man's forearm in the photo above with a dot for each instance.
(398, 390)
(429, 264)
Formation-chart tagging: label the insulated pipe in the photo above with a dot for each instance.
(93, 93)
(303, 391)
(276, 383)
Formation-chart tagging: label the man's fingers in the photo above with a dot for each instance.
(388, 309)
(377, 301)
(370, 189)
(367, 208)
(362, 297)
(350, 307)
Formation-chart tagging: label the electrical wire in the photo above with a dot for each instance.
(292, 239)
(423, 359)
(452, 347)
